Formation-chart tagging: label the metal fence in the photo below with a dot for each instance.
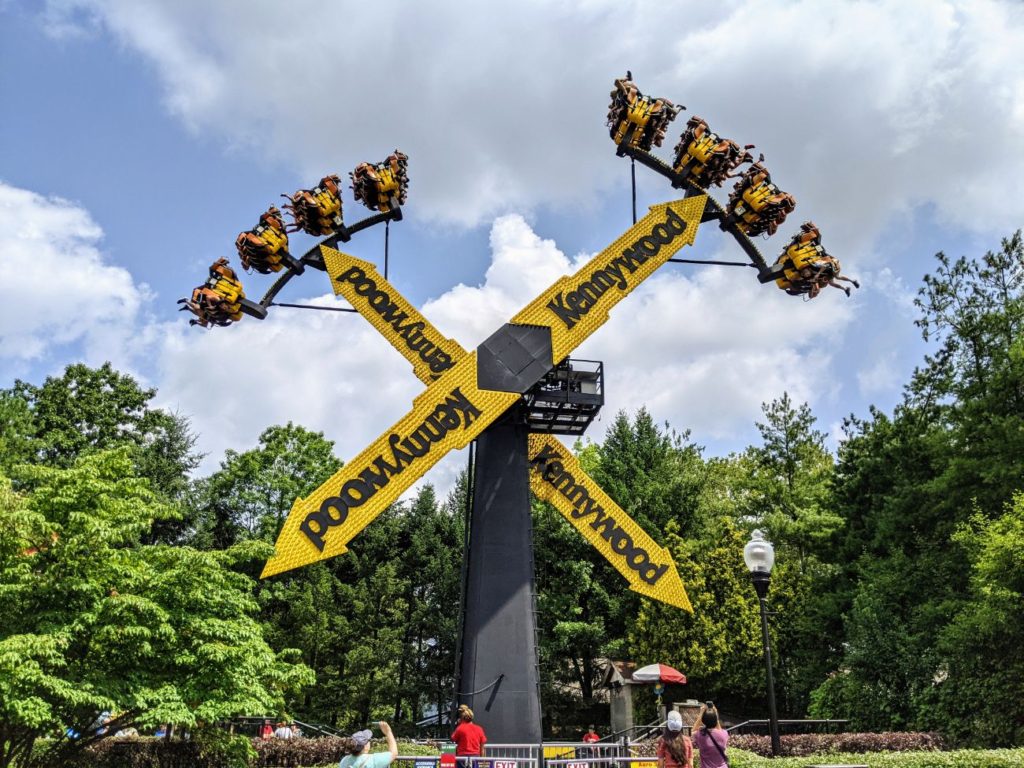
(553, 754)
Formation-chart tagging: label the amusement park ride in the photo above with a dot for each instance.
(514, 392)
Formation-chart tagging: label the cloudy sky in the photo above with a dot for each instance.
(138, 137)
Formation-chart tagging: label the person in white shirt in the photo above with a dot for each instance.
(283, 731)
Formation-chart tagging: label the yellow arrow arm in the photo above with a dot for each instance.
(398, 321)
(447, 416)
(576, 306)
(557, 477)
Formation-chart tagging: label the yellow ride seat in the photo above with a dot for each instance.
(262, 248)
(638, 114)
(702, 149)
(387, 182)
(758, 196)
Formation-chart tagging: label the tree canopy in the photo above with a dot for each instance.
(129, 583)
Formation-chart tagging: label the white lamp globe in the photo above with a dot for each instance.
(759, 555)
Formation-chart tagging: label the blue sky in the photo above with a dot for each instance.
(140, 137)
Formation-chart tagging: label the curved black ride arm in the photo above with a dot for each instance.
(312, 258)
(712, 210)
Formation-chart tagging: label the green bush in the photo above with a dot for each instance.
(963, 758)
(800, 744)
(218, 747)
(215, 748)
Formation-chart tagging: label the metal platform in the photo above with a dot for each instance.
(567, 399)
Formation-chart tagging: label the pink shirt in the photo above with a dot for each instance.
(710, 757)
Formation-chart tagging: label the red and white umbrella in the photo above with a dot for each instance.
(658, 673)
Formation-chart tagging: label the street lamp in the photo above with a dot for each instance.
(759, 555)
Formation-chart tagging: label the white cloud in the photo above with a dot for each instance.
(662, 349)
(894, 289)
(326, 371)
(58, 286)
(864, 109)
(700, 351)
(882, 376)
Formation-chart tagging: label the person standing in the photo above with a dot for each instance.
(359, 755)
(283, 731)
(590, 737)
(266, 730)
(469, 737)
(711, 739)
(674, 748)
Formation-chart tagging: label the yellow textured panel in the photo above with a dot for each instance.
(557, 477)
(574, 307)
(398, 321)
(447, 416)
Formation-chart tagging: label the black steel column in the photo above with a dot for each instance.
(761, 587)
(499, 677)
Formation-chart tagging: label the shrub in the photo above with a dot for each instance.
(964, 758)
(796, 745)
(217, 749)
(292, 753)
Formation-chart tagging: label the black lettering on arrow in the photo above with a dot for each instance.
(412, 333)
(547, 463)
(573, 305)
(456, 410)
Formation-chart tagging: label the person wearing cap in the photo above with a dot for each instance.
(591, 737)
(469, 737)
(674, 747)
(711, 739)
(359, 754)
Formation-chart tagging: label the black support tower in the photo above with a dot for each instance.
(499, 677)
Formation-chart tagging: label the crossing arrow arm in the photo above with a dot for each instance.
(557, 477)
(577, 305)
(447, 416)
(398, 321)
(453, 410)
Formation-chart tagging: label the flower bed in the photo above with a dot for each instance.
(963, 758)
(797, 745)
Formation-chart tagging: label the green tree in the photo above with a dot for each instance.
(785, 486)
(789, 475)
(95, 409)
(654, 474)
(94, 621)
(251, 494)
(18, 444)
(584, 609)
(430, 567)
(906, 485)
(719, 646)
(977, 695)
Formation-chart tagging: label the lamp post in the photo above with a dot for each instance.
(759, 555)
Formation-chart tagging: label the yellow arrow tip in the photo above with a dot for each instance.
(280, 564)
(669, 589)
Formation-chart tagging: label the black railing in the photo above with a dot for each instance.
(791, 726)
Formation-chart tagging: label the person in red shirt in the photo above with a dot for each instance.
(469, 737)
(590, 736)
